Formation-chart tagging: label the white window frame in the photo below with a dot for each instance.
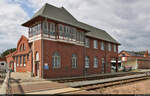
(115, 48)
(109, 47)
(102, 46)
(87, 62)
(74, 61)
(95, 62)
(52, 29)
(56, 60)
(95, 44)
(61, 30)
(87, 42)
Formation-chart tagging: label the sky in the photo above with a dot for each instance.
(128, 21)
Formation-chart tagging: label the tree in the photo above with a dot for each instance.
(6, 52)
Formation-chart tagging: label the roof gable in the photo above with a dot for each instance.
(98, 33)
(62, 15)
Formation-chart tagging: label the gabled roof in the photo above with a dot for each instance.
(138, 53)
(57, 14)
(98, 33)
(62, 15)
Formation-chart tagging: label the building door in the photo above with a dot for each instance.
(103, 65)
(37, 68)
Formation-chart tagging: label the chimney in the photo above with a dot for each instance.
(146, 54)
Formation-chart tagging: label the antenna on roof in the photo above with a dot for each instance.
(62, 2)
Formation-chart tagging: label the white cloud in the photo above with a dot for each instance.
(125, 20)
(11, 18)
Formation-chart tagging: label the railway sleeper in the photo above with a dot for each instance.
(110, 84)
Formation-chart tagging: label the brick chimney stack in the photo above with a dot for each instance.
(146, 54)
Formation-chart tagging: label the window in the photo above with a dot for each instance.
(45, 27)
(109, 47)
(103, 65)
(37, 56)
(102, 45)
(20, 60)
(74, 61)
(61, 29)
(115, 48)
(65, 31)
(95, 62)
(87, 42)
(95, 44)
(78, 35)
(68, 32)
(52, 29)
(56, 60)
(24, 62)
(87, 62)
(74, 33)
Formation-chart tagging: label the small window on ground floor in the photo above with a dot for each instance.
(56, 60)
(74, 61)
(95, 62)
(87, 62)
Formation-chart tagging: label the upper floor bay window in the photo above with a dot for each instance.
(61, 30)
(109, 47)
(45, 27)
(87, 62)
(74, 32)
(56, 60)
(95, 44)
(81, 36)
(102, 46)
(34, 30)
(52, 29)
(74, 61)
(95, 62)
(87, 42)
(115, 48)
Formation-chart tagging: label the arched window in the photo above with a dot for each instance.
(74, 61)
(87, 62)
(56, 60)
(95, 62)
(37, 56)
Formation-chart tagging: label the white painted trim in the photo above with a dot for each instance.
(52, 38)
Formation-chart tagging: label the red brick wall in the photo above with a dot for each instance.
(143, 64)
(91, 52)
(66, 51)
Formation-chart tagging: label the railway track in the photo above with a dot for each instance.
(109, 82)
(94, 77)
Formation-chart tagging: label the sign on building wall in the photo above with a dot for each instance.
(46, 66)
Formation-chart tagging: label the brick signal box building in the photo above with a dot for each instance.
(58, 45)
